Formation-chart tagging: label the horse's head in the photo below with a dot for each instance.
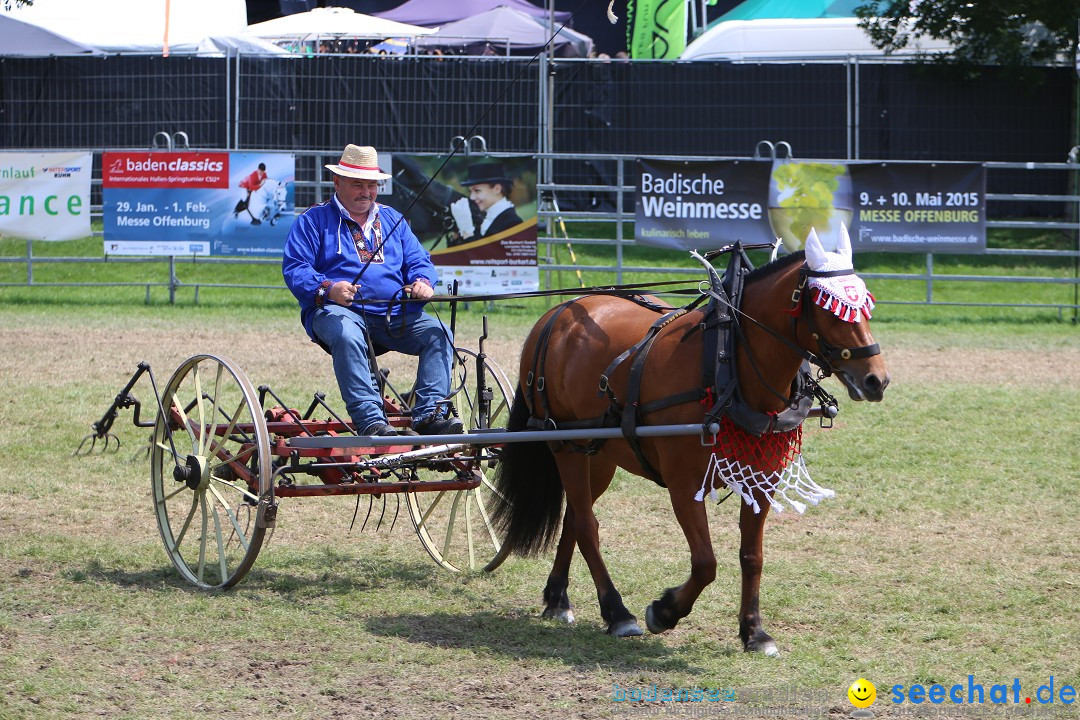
(836, 305)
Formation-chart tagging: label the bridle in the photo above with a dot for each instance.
(828, 354)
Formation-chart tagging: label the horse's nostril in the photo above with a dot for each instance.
(872, 382)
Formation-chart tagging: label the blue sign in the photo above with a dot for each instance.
(197, 203)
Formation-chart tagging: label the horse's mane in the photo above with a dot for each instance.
(776, 265)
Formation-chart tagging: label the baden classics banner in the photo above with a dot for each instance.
(906, 207)
(45, 196)
(197, 203)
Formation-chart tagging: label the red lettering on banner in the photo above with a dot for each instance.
(165, 170)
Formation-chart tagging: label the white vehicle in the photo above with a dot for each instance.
(795, 40)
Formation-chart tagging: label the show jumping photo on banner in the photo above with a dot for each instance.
(478, 219)
(261, 188)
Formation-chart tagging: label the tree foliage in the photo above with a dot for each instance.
(1012, 33)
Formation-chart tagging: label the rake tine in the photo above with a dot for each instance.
(355, 510)
(93, 438)
(397, 509)
(79, 450)
(370, 500)
(382, 514)
(143, 453)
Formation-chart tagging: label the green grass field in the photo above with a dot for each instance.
(951, 548)
(956, 300)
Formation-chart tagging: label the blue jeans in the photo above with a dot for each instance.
(342, 330)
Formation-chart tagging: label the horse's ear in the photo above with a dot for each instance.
(815, 254)
(843, 245)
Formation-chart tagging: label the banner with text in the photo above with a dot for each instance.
(702, 205)
(477, 219)
(45, 196)
(902, 207)
(919, 207)
(197, 203)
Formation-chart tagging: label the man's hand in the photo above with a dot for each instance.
(342, 292)
(419, 290)
(462, 217)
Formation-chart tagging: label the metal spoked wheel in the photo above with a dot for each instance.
(209, 468)
(454, 526)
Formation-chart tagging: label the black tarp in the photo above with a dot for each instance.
(652, 109)
(111, 102)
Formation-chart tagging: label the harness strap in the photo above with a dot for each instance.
(626, 291)
(647, 304)
(592, 447)
(535, 380)
(722, 333)
(539, 362)
(696, 395)
(605, 386)
(631, 410)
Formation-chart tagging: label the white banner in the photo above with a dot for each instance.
(45, 196)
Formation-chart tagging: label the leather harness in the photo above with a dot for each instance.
(721, 330)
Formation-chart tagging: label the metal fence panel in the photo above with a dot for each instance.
(699, 108)
(112, 101)
(602, 115)
(912, 112)
(396, 104)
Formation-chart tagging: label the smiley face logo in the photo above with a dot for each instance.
(862, 693)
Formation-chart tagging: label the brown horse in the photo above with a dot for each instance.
(561, 363)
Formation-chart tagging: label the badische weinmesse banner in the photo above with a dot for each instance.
(886, 206)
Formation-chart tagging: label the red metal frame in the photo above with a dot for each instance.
(336, 476)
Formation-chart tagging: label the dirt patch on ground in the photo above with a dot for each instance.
(63, 355)
(984, 366)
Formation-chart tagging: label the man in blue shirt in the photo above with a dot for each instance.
(351, 235)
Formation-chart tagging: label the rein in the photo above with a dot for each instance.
(631, 291)
(619, 290)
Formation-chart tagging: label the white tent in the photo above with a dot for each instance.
(135, 25)
(22, 38)
(333, 22)
(219, 45)
(788, 39)
(505, 27)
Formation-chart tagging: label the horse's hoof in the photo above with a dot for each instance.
(565, 615)
(767, 648)
(651, 623)
(625, 628)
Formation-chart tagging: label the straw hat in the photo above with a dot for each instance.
(359, 162)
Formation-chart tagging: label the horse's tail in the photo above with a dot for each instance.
(529, 503)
